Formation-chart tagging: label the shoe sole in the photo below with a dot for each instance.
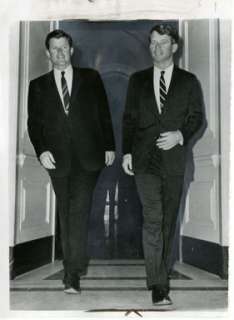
(72, 291)
(163, 303)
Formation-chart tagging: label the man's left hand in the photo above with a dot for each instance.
(168, 140)
(109, 157)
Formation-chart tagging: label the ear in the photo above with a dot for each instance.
(48, 54)
(174, 47)
(72, 51)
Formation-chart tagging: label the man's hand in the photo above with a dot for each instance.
(47, 160)
(109, 157)
(168, 140)
(127, 164)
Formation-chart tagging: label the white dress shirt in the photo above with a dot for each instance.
(68, 76)
(167, 76)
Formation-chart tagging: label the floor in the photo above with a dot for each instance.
(117, 286)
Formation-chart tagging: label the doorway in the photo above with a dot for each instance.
(115, 50)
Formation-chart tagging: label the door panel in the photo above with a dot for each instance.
(35, 202)
(202, 220)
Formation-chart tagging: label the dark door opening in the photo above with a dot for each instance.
(116, 50)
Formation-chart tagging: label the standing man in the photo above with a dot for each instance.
(69, 125)
(163, 110)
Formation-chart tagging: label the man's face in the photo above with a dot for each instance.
(59, 53)
(161, 47)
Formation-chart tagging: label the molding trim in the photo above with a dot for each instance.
(206, 255)
(186, 46)
(213, 76)
(27, 256)
(24, 75)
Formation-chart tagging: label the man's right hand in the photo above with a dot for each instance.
(127, 164)
(47, 160)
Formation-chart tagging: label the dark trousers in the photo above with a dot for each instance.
(74, 198)
(160, 197)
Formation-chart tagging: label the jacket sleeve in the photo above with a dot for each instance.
(35, 122)
(105, 116)
(130, 117)
(194, 117)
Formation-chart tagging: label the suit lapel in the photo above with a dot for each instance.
(76, 84)
(172, 88)
(150, 94)
(53, 92)
(52, 85)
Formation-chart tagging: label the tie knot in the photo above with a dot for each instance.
(63, 73)
(162, 73)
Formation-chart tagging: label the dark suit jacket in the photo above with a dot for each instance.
(142, 124)
(87, 130)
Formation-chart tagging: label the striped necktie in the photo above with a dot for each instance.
(66, 96)
(162, 90)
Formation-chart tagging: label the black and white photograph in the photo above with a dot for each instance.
(115, 158)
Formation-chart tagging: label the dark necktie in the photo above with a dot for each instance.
(66, 96)
(162, 90)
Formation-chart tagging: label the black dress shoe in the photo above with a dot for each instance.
(166, 301)
(160, 296)
(72, 284)
(157, 294)
(71, 291)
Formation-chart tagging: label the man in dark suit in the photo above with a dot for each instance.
(69, 125)
(163, 110)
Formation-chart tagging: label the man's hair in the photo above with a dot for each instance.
(58, 34)
(168, 29)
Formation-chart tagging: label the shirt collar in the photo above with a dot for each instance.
(67, 70)
(167, 70)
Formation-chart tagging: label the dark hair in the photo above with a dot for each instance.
(168, 29)
(57, 34)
